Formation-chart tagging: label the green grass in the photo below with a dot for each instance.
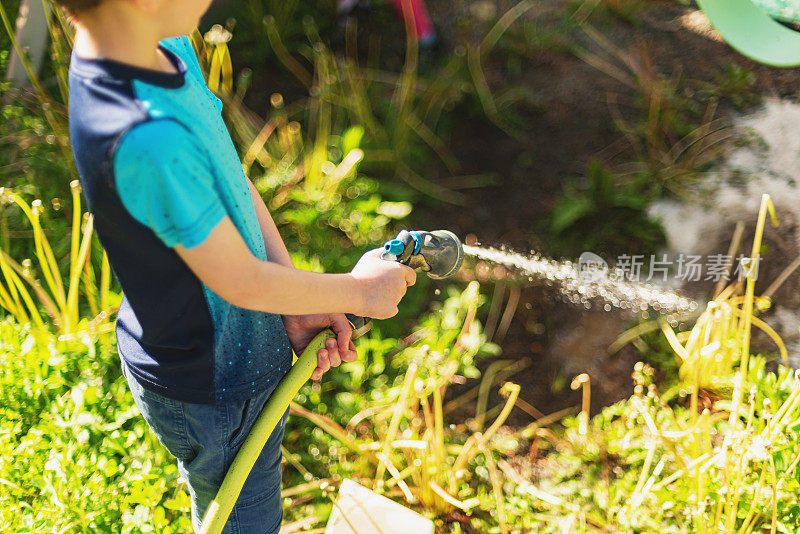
(76, 454)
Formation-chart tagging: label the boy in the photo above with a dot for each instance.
(213, 305)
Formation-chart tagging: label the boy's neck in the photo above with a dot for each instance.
(134, 42)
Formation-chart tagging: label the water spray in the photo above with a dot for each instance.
(439, 254)
(582, 288)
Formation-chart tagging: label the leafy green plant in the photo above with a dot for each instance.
(36, 162)
(660, 465)
(726, 462)
(604, 216)
(736, 84)
(719, 339)
(405, 114)
(59, 295)
(395, 134)
(280, 22)
(51, 108)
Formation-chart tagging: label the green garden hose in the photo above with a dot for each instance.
(220, 508)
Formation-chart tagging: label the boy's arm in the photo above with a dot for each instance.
(225, 264)
(301, 329)
(276, 249)
(373, 288)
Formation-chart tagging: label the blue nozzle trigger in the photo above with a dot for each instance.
(394, 247)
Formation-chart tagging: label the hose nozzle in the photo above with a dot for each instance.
(438, 253)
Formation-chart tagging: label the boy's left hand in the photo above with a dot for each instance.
(303, 328)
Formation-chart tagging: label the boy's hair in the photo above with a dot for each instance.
(76, 6)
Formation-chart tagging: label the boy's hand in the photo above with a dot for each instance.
(383, 283)
(303, 328)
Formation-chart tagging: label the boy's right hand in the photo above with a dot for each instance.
(383, 283)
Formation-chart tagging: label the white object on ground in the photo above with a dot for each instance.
(361, 511)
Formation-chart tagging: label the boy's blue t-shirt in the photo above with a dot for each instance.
(159, 169)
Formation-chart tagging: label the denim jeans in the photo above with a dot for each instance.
(205, 438)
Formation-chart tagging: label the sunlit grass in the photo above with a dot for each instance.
(728, 457)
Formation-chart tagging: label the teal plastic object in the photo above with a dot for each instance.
(394, 247)
(753, 32)
(785, 10)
